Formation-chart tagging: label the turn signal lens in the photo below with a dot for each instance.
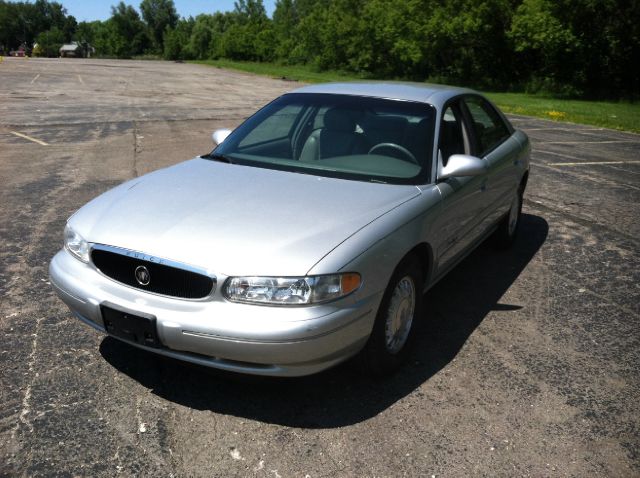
(349, 282)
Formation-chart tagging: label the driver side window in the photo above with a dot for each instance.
(453, 135)
(276, 126)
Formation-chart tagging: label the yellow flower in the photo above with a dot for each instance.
(557, 114)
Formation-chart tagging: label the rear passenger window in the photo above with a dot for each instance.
(489, 127)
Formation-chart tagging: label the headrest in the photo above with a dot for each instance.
(338, 119)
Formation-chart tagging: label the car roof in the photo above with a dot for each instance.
(435, 95)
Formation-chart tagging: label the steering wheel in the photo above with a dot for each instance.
(397, 147)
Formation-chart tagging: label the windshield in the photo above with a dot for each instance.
(345, 136)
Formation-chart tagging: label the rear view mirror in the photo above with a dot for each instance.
(220, 135)
(462, 165)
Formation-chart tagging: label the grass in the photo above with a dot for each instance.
(300, 73)
(623, 116)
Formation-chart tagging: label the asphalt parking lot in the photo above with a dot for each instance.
(528, 360)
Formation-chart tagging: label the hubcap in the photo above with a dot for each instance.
(513, 215)
(400, 315)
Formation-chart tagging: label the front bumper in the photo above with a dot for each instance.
(262, 340)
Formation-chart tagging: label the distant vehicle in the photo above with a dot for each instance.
(306, 237)
(20, 52)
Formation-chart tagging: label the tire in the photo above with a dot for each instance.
(393, 331)
(507, 231)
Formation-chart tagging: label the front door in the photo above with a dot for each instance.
(463, 198)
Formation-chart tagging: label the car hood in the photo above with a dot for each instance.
(236, 220)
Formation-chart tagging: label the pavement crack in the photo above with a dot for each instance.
(137, 147)
(23, 418)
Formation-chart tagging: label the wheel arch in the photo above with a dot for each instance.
(423, 253)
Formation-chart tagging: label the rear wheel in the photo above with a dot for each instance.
(392, 334)
(508, 228)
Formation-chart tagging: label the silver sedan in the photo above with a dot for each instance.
(309, 234)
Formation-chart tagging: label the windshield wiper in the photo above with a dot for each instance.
(219, 157)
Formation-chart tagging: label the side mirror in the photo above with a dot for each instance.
(220, 135)
(462, 165)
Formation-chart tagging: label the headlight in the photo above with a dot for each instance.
(75, 244)
(290, 290)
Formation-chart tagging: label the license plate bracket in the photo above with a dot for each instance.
(131, 326)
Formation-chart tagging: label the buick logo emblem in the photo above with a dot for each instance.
(142, 275)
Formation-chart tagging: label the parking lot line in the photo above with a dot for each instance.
(593, 142)
(35, 78)
(555, 154)
(29, 138)
(586, 163)
(570, 130)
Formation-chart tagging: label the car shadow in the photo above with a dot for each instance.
(340, 396)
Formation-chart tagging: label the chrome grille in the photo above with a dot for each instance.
(164, 277)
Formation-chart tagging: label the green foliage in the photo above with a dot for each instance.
(22, 22)
(579, 47)
(247, 35)
(568, 48)
(126, 34)
(159, 15)
(545, 43)
(98, 34)
(70, 27)
(85, 33)
(176, 40)
(243, 34)
(619, 115)
(49, 43)
(250, 11)
(201, 37)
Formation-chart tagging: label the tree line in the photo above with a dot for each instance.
(571, 48)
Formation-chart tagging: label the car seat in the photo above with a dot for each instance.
(338, 137)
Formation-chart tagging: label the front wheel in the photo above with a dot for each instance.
(392, 335)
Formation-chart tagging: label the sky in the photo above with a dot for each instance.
(88, 10)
